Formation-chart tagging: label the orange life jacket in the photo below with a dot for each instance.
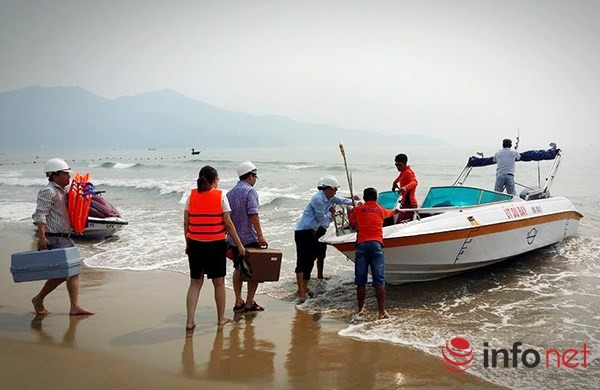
(206, 221)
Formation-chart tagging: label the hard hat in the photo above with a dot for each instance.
(329, 181)
(245, 167)
(56, 165)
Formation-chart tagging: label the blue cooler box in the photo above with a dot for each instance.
(47, 264)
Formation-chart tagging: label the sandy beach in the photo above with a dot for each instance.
(137, 340)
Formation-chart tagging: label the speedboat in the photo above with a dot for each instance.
(460, 228)
(104, 220)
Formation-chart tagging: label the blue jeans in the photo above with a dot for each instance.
(505, 181)
(369, 254)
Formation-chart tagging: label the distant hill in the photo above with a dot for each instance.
(49, 115)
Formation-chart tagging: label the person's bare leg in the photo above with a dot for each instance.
(47, 288)
(252, 287)
(380, 295)
(320, 265)
(301, 292)
(191, 301)
(361, 292)
(237, 287)
(219, 285)
(73, 289)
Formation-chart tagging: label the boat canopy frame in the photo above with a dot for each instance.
(553, 153)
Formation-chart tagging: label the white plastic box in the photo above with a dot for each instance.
(47, 264)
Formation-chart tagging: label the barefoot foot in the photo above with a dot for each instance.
(223, 321)
(38, 306)
(79, 311)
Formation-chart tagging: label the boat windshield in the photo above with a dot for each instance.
(462, 196)
(387, 199)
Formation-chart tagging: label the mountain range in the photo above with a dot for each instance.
(37, 116)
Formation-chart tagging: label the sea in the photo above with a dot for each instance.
(547, 300)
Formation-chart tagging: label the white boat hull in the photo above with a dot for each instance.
(103, 227)
(456, 241)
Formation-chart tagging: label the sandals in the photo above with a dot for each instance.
(239, 308)
(254, 307)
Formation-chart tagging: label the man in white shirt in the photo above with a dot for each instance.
(54, 229)
(505, 169)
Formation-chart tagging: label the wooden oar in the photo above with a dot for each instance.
(348, 176)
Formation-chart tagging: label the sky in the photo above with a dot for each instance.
(466, 72)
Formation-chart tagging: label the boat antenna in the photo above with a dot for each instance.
(517, 141)
(348, 176)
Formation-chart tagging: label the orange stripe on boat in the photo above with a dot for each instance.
(474, 231)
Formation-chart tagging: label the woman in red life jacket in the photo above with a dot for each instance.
(205, 221)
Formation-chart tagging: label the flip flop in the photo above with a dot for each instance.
(240, 307)
(254, 307)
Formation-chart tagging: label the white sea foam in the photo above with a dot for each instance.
(11, 211)
(124, 165)
(20, 181)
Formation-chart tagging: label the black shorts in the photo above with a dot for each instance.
(321, 248)
(207, 257)
(306, 251)
(236, 253)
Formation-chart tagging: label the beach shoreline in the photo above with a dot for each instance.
(137, 338)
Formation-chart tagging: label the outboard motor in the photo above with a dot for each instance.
(532, 194)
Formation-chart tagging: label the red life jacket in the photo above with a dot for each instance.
(206, 221)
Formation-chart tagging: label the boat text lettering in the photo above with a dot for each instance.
(515, 212)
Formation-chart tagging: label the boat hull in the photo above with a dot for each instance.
(462, 240)
(103, 227)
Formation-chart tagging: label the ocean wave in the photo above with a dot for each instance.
(164, 187)
(11, 211)
(23, 182)
(117, 165)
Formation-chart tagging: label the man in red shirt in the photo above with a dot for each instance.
(368, 219)
(406, 183)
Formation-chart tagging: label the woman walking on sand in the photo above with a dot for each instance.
(205, 221)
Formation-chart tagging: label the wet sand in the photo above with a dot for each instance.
(137, 339)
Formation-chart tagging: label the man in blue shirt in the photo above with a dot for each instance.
(315, 219)
(243, 200)
(505, 169)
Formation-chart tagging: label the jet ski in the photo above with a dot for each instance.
(104, 220)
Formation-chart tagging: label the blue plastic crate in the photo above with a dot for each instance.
(47, 264)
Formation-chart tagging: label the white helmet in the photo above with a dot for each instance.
(245, 167)
(56, 165)
(329, 181)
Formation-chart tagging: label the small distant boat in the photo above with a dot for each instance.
(459, 228)
(195, 152)
(151, 148)
(104, 220)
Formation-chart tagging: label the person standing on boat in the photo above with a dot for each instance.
(243, 199)
(406, 183)
(205, 220)
(505, 169)
(53, 230)
(368, 220)
(315, 220)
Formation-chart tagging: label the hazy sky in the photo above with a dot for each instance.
(464, 71)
